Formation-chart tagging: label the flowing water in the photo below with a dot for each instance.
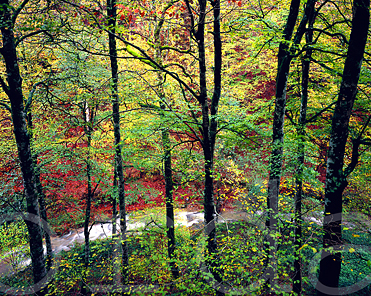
(104, 230)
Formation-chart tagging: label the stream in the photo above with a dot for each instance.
(104, 229)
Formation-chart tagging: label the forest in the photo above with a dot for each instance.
(185, 147)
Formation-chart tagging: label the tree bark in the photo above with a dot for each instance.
(297, 279)
(84, 287)
(336, 182)
(114, 201)
(112, 15)
(169, 186)
(41, 198)
(284, 60)
(209, 129)
(15, 94)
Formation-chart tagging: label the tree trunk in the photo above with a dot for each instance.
(169, 200)
(285, 55)
(84, 287)
(169, 186)
(112, 14)
(114, 202)
(336, 182)
(297, 279)
(41, 198)
(284, 60)
(15, 94)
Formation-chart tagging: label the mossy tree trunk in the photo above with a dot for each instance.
(336, 182)
(285, 55)
(297, 279)
(112, 15)
(14, 91)
(166, 144)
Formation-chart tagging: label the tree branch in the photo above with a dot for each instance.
(6, 106)
(20, 39)
(4, 86)
(17, 11)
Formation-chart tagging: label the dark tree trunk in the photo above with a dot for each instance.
(297, 279)
(336, 182)
(167, 156)
(112, 14)
(209, 208)
(169, 200)
(284, 60)
(114, 201)
(15, 94)
(209, 129)
(41, 198)
(84, 287)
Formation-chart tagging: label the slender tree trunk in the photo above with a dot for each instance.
(284, 60)
(336, 182)
(209, 207)
(41, 198)
(169, 200)
(15, 94)
(84, 287)
(209, 180)
(114, 202)
(112, 14)
(169, 186)
(297, 279)
(209, 129)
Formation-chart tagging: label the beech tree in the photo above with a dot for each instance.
(118, 167)
(14, 91)
(285, 56)
(336, 182)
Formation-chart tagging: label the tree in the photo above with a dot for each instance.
(39, 188)
(297, 279)
(285, 55)
(118, 167)
(14, 91)
(336, 182)
(166, 144)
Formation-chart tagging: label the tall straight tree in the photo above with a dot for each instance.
(88, 118)
(336, 182)
(285, 55)
(13, 89)
(209, 124)
(39, 188)
(166, 144)
(112, 15)
(300, 130)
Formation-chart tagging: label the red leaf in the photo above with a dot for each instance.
(239, 3)
(142, 14)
